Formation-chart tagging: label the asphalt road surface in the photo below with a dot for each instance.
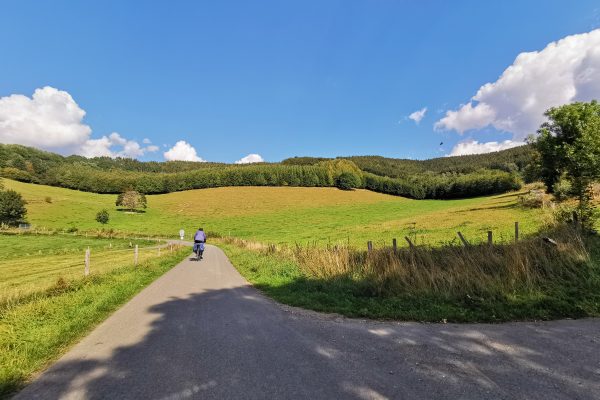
(200, 331)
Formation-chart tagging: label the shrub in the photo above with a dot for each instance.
(102, 216)
(562, 189)
(12, 207)
(16, 174)
(533, 199)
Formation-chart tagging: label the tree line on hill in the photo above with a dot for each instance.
(512, 160)
(106, 175)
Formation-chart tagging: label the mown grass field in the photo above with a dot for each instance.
(287, 214)
(34, 263)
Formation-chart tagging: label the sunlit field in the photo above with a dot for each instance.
(288, 215)
(35, 263)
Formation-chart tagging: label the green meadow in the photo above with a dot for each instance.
(287, 215)
(32, 264)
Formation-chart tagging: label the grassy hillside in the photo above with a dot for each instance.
(286, 214)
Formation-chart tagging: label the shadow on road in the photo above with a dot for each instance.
(234, 343)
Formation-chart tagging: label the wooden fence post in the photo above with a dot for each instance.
(394, 245)
(410, 243)
(462, 239)
(135, 255)
(370, 246)
(516, 231)
(86, 270)
(490, 238)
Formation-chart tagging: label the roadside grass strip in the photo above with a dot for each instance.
(530, 280)
(35, 332)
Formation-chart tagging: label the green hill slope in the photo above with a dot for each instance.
(285, 214)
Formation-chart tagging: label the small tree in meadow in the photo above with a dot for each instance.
(12, 207)
(131, 200)
(103, 216)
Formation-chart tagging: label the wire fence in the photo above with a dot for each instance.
(39, 272)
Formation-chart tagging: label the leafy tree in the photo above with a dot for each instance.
(12, 207)
(347, 181)
(131, 200)
(102, 216)
(569, 145)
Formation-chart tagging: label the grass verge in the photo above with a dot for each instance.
(35, 333)
(531, 280)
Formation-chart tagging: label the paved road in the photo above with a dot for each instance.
(201, 332)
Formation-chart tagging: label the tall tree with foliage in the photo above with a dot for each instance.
(12, 207)
(569, 145)
(131, 200)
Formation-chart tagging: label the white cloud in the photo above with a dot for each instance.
(152, 148)
(250, 158)
(474, 147)
(52, 120)
(104, 147)
(182, 151)
(564, 71)
(146, 141)
(418, 115)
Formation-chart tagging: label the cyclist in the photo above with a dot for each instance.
(199, 240)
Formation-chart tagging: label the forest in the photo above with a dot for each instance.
(439, 178)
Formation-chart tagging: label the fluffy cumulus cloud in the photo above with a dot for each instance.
(418, 115)
(564, 71)
(114, 145)
(474, 147)
(51, 120)
(250, 158)
(182, 151)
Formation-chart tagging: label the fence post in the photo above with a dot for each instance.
(135, 255)
(410, 243)
(370, 246)
(462, 238)
(490, 238)
(394, 245)
(86, 270)
(516, 231)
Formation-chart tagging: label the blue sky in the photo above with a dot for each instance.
(282, 78)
